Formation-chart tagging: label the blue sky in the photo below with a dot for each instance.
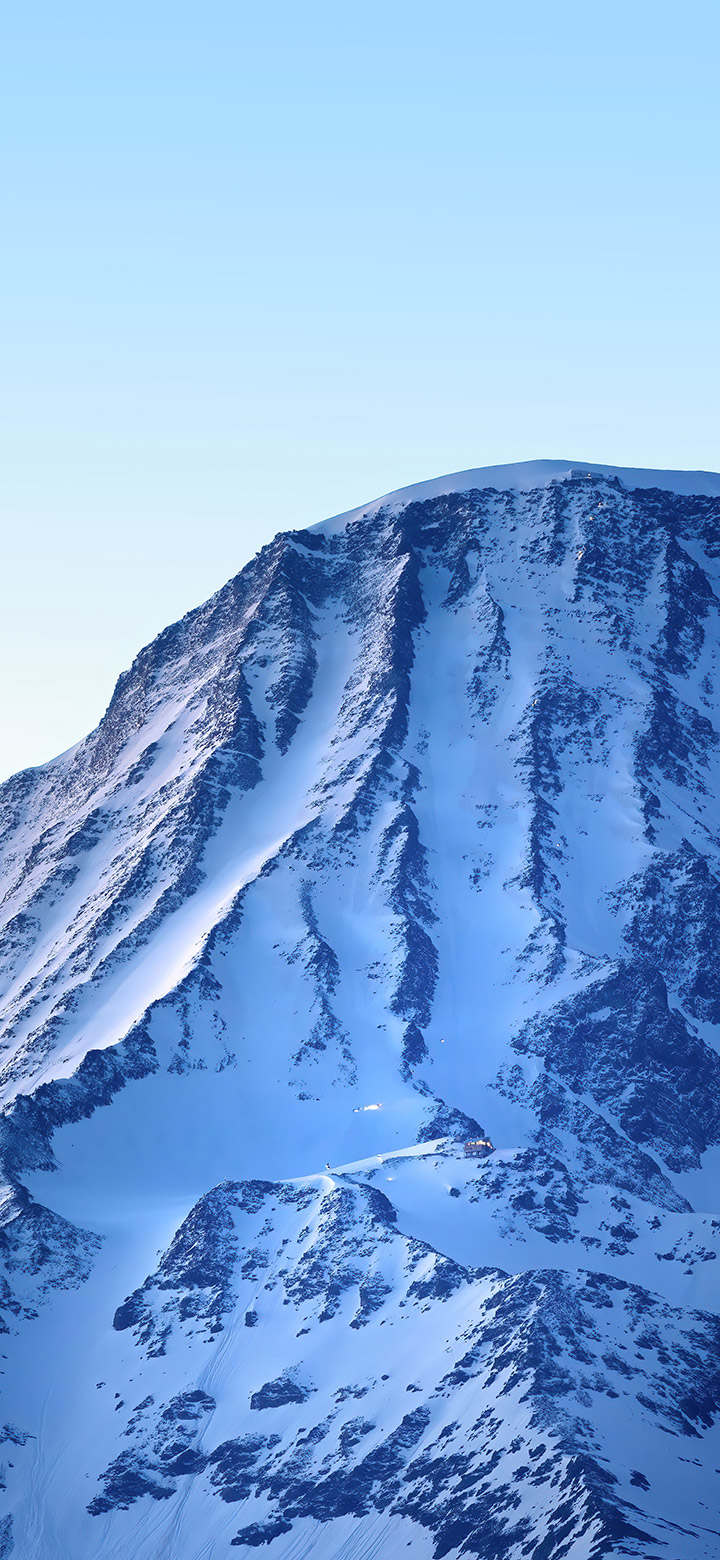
(262, 263)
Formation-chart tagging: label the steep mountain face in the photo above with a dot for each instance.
(410, 834)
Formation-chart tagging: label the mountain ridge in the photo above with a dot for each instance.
(410, 833)
(526, 475)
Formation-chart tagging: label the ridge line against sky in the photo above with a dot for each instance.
(524, 475)
(263, 261)
(521, 476)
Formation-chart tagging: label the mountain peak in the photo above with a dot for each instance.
(361, 1049)
(527, 476)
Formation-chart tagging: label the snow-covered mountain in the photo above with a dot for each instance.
(410, 834)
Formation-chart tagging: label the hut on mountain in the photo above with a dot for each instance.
(477, 1148)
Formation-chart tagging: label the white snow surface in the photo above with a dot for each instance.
(410, 835)
(524, 476)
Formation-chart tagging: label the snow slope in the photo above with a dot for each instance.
(410, 833)
(523, 476)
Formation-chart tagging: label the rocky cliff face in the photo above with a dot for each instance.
(411, 833)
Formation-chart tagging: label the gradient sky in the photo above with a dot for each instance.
(264, 262)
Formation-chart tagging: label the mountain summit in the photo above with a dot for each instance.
(361, 1051)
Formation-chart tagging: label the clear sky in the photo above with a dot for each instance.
(262, 262)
